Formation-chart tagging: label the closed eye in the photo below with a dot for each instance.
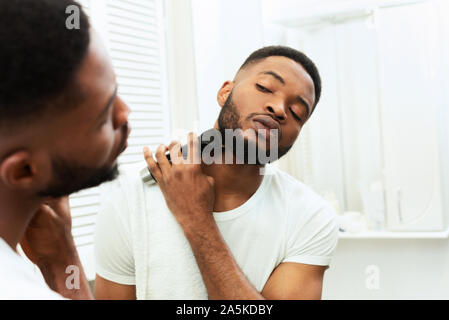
(295, 116)
(263, 89)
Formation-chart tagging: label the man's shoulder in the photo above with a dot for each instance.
(300, 197)
(15, 286)
(18, 282)
(129, 179)
(131, 172)
(128, 192)
(292, 186)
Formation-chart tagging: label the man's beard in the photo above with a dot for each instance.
(229, 118)
(71, 178)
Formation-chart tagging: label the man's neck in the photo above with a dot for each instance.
(16, 212)
(234, 183)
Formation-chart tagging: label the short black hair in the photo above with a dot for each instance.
(39, 58)
(293, 54)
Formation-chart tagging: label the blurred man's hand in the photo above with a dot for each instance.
(48, 242)
(49, 235)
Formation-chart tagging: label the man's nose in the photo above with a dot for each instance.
(121, 113)
(277, 110)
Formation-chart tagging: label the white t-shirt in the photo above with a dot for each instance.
(17, 279)
(139, 242)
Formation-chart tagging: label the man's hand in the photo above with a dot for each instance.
(49, 235)
(48, 242)
(187, 190)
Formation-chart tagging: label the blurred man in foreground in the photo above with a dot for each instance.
(62, 127)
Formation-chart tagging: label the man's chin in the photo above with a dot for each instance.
(69, 181)
(102, 176)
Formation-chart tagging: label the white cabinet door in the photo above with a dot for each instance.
(410, 50)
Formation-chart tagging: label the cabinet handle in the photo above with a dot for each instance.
(399, 199)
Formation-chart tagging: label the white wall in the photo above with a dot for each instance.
(225, 34)
(277, 10)
(181, 67)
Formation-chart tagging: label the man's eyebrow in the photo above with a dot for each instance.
(274, 74)
(300, 100)
(108, 105)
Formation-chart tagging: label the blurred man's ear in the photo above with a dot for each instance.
(21, 171)
(224, 92)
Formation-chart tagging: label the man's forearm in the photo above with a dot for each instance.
(221, 274)
(55, 274)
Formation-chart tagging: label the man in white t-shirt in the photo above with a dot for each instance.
(62, 127)
(224, 230)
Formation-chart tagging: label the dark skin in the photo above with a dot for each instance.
(194, 191)
(90, 134)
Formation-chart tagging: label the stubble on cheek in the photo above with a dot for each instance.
(230, 119)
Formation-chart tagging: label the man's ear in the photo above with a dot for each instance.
(224, 92)
(22, 171)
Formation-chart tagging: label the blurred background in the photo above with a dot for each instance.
(377, 146)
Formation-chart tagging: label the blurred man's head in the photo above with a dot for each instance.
(62, 125)
(276, 88)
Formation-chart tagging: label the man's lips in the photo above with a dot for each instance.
(125, 140)
(267, 123)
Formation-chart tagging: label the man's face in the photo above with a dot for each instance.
(274, 93)
(85, 142)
